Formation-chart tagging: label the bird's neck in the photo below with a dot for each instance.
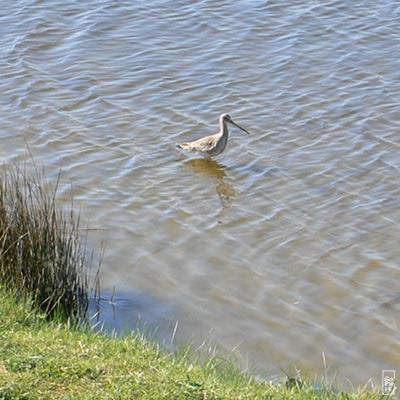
(223, 128)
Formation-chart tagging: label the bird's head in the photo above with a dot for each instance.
(227, 118)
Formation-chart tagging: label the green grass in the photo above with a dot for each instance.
(44, 360)
(41, 255)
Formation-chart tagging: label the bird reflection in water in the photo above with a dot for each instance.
(214, 169)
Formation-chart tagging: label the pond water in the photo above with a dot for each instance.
(281, 250)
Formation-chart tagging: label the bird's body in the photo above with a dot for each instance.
(214, 144)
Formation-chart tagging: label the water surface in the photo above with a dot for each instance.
(285, 247)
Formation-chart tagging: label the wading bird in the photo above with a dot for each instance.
(214, 144)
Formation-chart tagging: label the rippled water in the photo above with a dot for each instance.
(286, 246)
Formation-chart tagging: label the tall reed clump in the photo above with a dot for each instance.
(41, 256)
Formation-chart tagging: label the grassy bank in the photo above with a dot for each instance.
(43, 360)
(47, 350)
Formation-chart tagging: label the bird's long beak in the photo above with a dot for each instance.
(234, 123)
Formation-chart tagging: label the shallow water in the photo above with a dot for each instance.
(285, 247)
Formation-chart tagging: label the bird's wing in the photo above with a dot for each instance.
(204, 144)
